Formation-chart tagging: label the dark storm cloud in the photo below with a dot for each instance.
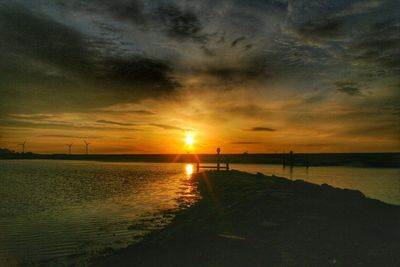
(314, 19)
(260, 129)
(178, 23)
(130, 10)
(395, 110)
(49, 63)
(348, 87)
(325, 28)
(127, 10)
(237, 40)
(207, 51)
(361, 31)
(350, 90)
(115, 123)
(248, 47)
(379, 45)
(36, 36)
(247, 70)
(136, 71)
(315, 99)
(229, 73)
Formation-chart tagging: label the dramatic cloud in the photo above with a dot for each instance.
(55, 125)
(321, 72)
(142, 112)
(167, 127)
(48, 61)
(261, 129)
(323, 28)
(237, 40)
(348, 87)
(179, 23)
(115, 123)
(130, 11)
(379, 45)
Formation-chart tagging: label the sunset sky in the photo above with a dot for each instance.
(257, 75)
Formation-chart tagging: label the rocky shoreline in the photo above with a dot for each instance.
(256, 220)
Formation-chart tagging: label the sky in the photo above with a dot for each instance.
(256, 76)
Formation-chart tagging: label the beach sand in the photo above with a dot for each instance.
(256, 220)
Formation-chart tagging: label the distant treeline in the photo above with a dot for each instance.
(322, 159)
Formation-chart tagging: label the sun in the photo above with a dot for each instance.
(189, 140)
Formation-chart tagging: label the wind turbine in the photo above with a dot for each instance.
(87, 145)
(69, 148)
(23, 146)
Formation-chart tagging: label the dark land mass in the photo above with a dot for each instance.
(321, 159)
(256, 220)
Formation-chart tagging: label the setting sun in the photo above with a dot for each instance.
(189, 139)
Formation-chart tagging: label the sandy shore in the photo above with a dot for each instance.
(256, 220)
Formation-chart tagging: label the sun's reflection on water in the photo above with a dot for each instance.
(189, 170)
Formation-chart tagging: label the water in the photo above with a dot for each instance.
(377, 183)
(67, 212)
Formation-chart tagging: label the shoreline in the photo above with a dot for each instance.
(380, 160)
(247, 219)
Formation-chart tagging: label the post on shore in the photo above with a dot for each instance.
(307, 161)
(291, 159)
(284, 160)
(218, 151)
(198, 166)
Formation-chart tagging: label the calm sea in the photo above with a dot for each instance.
(67, 212)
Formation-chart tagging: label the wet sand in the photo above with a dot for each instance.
(256, 220)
